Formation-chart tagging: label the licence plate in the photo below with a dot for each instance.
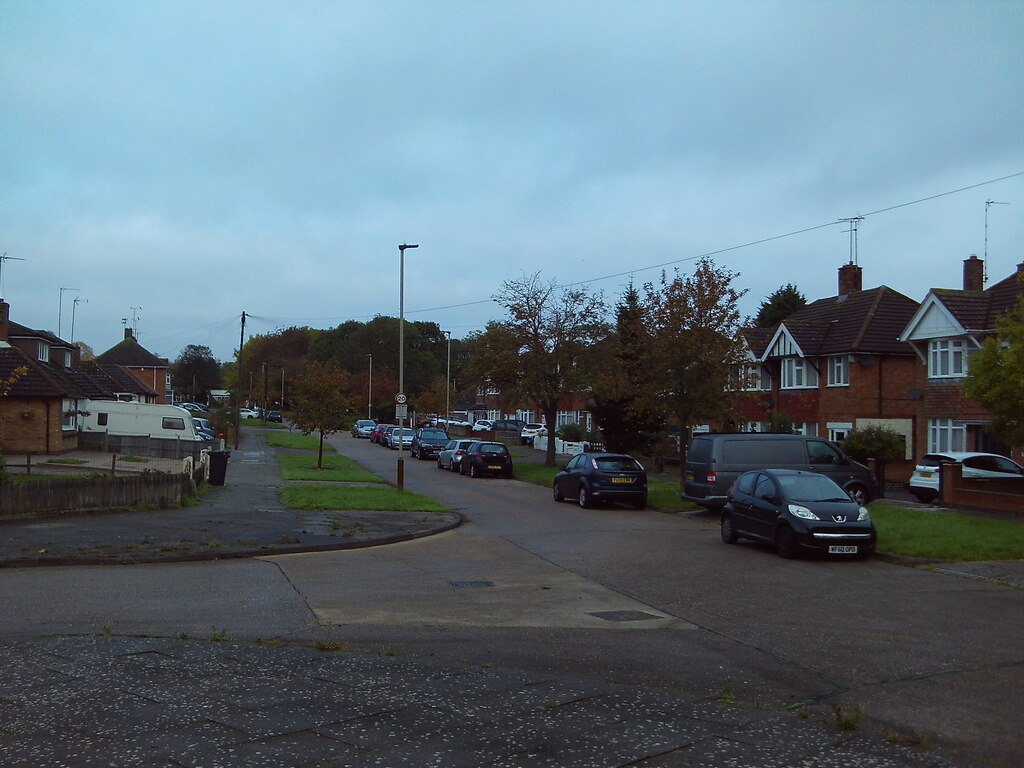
(926, 474)
(837, 549)
(622, 480)
(689, 477)
(494, 466)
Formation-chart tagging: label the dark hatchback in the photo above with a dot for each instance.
(428, 442)
(486, 459)
(595, 477)
(797, 511)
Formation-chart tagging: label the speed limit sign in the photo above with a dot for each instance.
(400, 398)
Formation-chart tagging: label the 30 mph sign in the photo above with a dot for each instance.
(400, 398)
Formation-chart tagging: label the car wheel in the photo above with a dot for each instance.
(858, 493)
(785, 542)
(925, 497)
(640, 503)
(584, 497)
(728, 532)
(473, 472)
(557, 493)
(439, 464)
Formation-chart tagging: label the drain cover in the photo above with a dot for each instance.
(624, 615)
(471, 584)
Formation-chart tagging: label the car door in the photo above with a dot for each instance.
(764, 507)
(742, 502)
(569, 483)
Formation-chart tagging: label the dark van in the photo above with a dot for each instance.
(715, 460)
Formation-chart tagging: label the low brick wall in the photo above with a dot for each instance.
(956, 490)
(82, 494)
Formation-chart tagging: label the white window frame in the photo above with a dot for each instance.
(946, 435)
(69, 415)
(839, 430)
(839, 371)
(44, 352)
(798, 373)
(947, 359)
(806, 428)
(756, 378)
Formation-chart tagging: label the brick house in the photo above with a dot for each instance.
(152, 371)
(837, 364)
(949, 325)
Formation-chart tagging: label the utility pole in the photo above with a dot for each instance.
(238, 385)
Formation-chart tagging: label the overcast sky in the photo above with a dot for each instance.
(178, 163)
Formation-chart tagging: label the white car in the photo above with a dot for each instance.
(483, 425)
(247, 413)
(924, 482)
(530, 431)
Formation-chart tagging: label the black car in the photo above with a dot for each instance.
(275, 416)
(486, 459)
(427, 442)
(797, 511)
(594, 477)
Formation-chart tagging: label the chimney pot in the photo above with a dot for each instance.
(850, 277)
(974, 273)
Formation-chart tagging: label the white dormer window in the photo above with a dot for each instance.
(798, 373)
(67, 358)
(946, 358)
(44, 352)
(839, 371)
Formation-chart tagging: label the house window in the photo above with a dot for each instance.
(839, 430)
(946, 358)
(756, 426)
(798, 373)
(839, 371)
(67, 359)
(946, 435)
(70, 417)
(756, 378)
(44, 352)
(808, 428)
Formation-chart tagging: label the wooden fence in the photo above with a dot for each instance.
(79, 494)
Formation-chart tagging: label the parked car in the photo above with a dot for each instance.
(385, 435)
(482, 425)
(924, 482)
(797, 511)
(507, 425)
(378, 433)
(247, 413)
(205, 426)
(275, 416)
(591, 478)
(399, 433)
(428, 442)
(714, 461)
(530, 431)
(486, 459)
(452, 454)
(363, 427)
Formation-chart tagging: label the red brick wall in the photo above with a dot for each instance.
(1005, 495)
(33, 425)
(152, 377)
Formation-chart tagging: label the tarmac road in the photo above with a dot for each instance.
(526, 596)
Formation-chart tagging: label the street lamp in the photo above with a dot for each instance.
(447, 382)
(369, 391)
(401, 359)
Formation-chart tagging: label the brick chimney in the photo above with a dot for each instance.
(849, 279)
(974, 273)
(5, 320)
(128, 334)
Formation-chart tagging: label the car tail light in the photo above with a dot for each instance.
(712, 478)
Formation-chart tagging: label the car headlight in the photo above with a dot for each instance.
(804, 512)
(863, 514)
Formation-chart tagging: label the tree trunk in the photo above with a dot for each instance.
(320, 452)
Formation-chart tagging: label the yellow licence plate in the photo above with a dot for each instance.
(926, 474)
(494, 466)
(622, 480)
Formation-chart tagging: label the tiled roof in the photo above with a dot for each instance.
(41, 380)
(979, 310)
(866, 322)
(131, 354)
(115, 378)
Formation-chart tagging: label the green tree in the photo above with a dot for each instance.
(196, 371)
(995, 377)
(696, 347)
(779, 305)
(543, 351)
(322, 403)
(623, 405)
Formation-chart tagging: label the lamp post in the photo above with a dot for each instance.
(60, 309)
(400, 484)
(447, 382)
(369, 391)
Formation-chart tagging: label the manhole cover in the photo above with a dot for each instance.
(471, 584)
(624, 615)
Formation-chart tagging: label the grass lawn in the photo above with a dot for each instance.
(335, 468)
(946, 536)
(357, 497)
(296, 440)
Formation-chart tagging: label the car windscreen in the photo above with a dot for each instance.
(811, 488)
(433, 434)
(618, 464)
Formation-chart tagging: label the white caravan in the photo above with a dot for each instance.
(153, 419)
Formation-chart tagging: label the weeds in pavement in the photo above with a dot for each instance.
(331, 645)
(847, 719)
(218, 635)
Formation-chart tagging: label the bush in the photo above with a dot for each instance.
(573, 433)
(875, 442)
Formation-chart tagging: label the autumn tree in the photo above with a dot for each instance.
(322, 403)
(196, 371)
(696, 348)
(779, 305)
(543, 351)
(995, 377)
(622, 402)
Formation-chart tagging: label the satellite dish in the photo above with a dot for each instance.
(914, 393)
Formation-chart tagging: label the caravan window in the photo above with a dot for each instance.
(173, 422)
(101, 419)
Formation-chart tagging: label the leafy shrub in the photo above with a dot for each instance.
(875, 442)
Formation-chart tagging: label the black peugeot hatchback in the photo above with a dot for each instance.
(797, 511)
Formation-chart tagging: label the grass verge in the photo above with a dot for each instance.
(357, 497)
(335, 468)
(946, 536)
(297, 441)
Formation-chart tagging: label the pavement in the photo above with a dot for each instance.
(104, 700)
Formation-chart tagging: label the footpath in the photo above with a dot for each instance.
(99, 700)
